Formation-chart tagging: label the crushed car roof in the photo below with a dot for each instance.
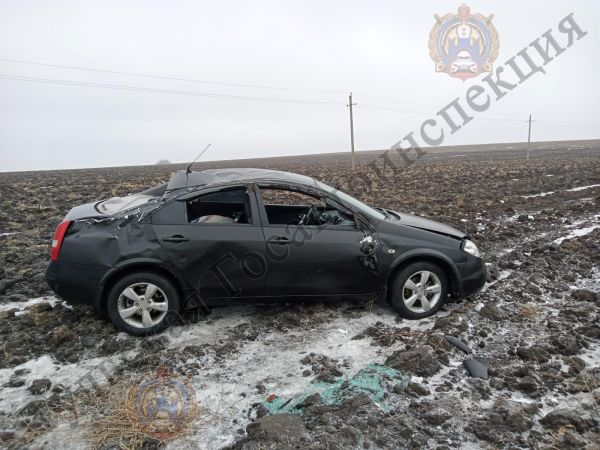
(182, 179)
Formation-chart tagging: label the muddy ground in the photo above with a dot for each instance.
(332, 375)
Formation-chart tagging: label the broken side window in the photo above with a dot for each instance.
(223, 207)
(291, 207)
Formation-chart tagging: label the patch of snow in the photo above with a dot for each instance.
(591, 356)
(506, 252)
(7, 234)
(576, 233)
(501, 276)
(592, 283)
(65, 435)
(541, 194)
(587, 200)
(69, 375)
(577, 189)
(520, 398)
(227, 388)
(22, 306)
(504, 274)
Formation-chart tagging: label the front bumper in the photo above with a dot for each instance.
(472, 276)
(77, 284)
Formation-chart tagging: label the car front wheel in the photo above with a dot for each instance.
(419, 290)
(143, 304)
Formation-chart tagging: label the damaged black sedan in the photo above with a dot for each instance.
(206, 238)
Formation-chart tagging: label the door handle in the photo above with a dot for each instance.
(176, 239)
(279, 240)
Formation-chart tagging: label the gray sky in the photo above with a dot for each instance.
(376, 48)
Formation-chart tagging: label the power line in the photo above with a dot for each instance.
(499, 119)
(159, 91)
(193, 80)
(394, 100)
(571, 125)
(164, 77)
(135, 88)
(385, 108)
(405, 111)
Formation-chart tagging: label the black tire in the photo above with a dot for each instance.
(398, 290)
(166, 293)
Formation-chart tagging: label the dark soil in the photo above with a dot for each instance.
(535, 327)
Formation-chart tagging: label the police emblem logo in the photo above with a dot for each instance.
(463, 45)
(162, 405)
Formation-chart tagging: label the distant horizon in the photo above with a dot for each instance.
(113, 84)
(341, 153)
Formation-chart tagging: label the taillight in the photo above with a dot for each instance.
(57, 240)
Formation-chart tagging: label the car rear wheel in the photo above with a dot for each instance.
(143, 304)
(419, 290)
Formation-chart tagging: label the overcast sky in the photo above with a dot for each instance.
(374, 48)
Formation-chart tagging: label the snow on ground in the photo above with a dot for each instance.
(66, 374)
(590, 355)
(576, 233)
(65, 435)
(22, 306)
(582, 188)
(577, 189)
(228, 389)
(541, 194)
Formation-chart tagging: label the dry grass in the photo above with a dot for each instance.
(557, 436)
(529, 311)
(116, 423)
(593, 387)
(62, 334)
(108, 419)
(104, 413)
(116, 426)
(596, 400)
(41, 319)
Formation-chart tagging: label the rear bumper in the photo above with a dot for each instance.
(472, 276)
(77, 284)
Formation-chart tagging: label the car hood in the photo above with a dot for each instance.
(428, 225)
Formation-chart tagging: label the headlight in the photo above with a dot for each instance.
(470, 247)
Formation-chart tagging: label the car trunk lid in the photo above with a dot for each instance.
(85, 211)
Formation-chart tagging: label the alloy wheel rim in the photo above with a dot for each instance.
(142, 305)
(422, 291)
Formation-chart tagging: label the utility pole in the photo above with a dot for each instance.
(529, 137)
(350, 104)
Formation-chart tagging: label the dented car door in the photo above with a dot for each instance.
(318, 260)
(217, 254)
